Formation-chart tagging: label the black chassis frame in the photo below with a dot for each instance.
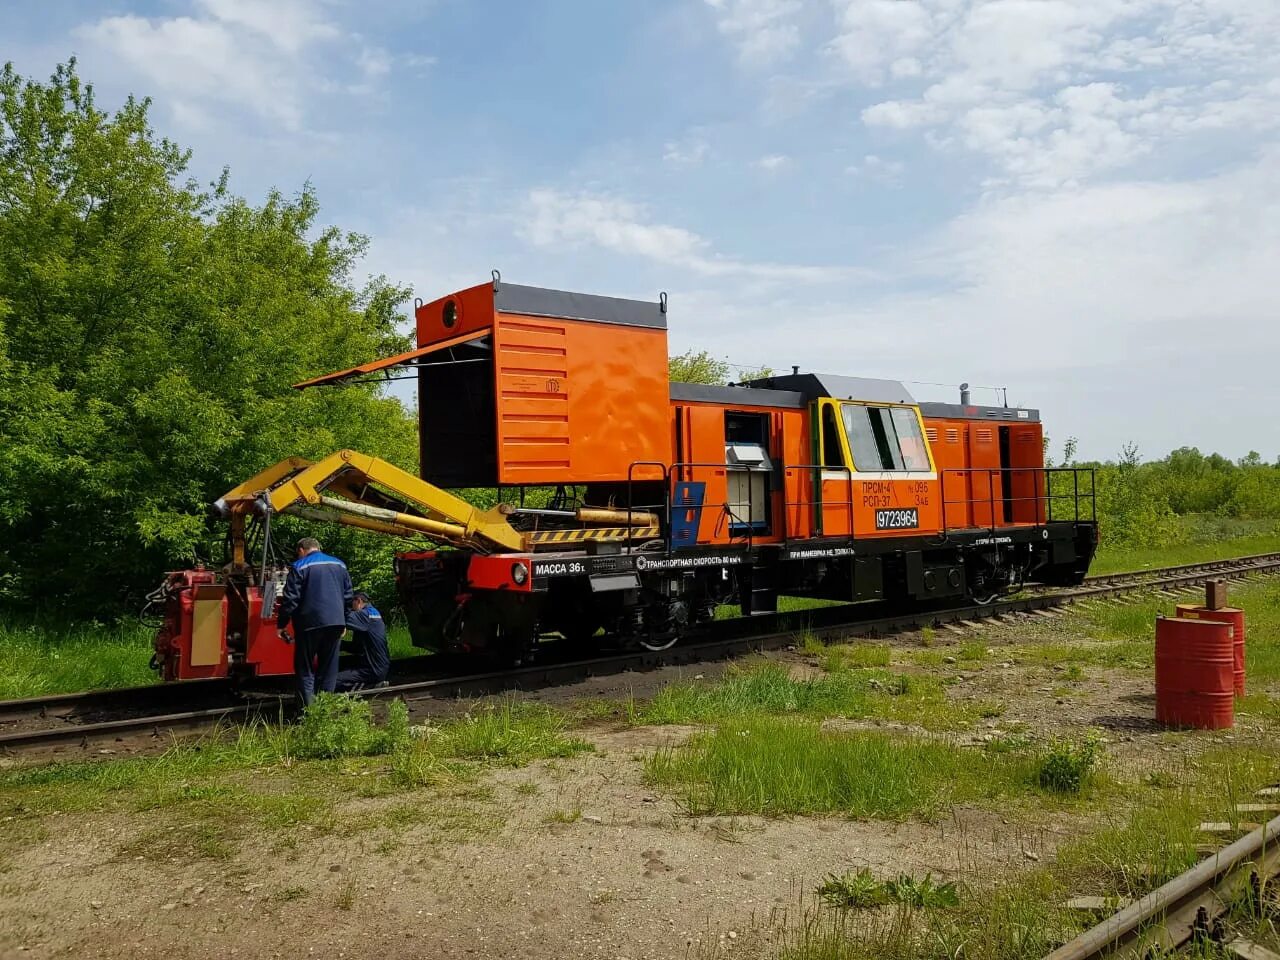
(903, 567)
(1066, 546)
(661, 592)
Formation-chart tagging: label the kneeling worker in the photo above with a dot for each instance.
(369, 636)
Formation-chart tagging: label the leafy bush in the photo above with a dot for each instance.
(339, 726)
(188, 312)
(862, 889)
(1067, 765)
(853, 890)
(923, 892)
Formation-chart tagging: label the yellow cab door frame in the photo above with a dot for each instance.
(920, 492)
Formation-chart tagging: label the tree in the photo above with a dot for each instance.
(698, 367)
(149, 334)
(701, 367)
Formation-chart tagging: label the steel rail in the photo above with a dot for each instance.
(1188, 904)
(58, 704)
(762, 633)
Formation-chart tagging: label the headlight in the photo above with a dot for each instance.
(519, 574)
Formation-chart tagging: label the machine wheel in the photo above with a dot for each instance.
(657, 646)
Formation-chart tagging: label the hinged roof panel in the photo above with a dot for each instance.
(408, 359)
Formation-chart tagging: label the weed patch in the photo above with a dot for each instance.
(1067, 766)
(769, 689)
(780, 766)
(861, 890)
(513, 732)
(854, 656)
(338, 726)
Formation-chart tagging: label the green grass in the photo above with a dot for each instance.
(1129, 853)
(777, 766)
(38, 658)
(206, 796)
(512, 732)
(1197, 540)
(852, 656)
(1124, 636)
(400, 644)
(769, 689)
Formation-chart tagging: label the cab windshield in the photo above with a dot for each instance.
(884, 438)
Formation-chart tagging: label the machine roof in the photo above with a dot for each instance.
(813, 385)
(562, 304)
(735, 396)
(956, 411)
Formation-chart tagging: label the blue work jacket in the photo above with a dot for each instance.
(369, 635)
(317, 593)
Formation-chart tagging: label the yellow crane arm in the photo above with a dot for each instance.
(376, 495)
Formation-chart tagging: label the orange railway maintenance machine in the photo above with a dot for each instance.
(656, 502)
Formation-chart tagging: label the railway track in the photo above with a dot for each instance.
(1191, 907)
(81, 720)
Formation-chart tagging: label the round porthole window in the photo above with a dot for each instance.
(449, 314)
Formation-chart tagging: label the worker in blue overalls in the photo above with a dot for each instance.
(369, 639)
(317, 594)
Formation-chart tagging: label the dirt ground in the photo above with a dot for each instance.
(565, 858)
(628, 876)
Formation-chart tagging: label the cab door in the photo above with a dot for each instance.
(832, 483)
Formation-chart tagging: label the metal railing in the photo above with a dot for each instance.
(1013, 496)
(1006, 500)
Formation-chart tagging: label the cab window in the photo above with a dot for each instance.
(884, 438)
(832, 454)
(915, 456)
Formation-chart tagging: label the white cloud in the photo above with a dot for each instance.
(1129, 311)
(555, 220)
(773, 162)
(764, 31)
(290, 25)
(270, 58)
(879, 37)
(874, 167)
(688, 152)
(1052, 91)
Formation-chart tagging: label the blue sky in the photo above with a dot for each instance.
(1076, 199)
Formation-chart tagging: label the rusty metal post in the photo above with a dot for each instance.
(1215, 594)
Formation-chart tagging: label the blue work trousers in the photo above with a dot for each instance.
(315, 661)
(359, 678)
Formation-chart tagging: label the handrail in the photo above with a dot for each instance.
(666, 504)
(1045, 496)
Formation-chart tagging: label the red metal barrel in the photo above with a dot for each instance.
(1231, 615)
(1195, 673)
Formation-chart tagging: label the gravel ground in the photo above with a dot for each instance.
(577, 857)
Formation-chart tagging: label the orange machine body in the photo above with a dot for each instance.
(571, 388)
(805, 484)
(965, 467)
